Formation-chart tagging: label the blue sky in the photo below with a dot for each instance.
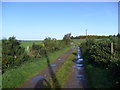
(37, 20)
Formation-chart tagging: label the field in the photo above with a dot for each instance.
(30, 43)
(78, 41)
(0, 47)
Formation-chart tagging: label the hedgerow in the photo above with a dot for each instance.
(99, 53)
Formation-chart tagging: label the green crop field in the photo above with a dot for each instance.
(0, 48)
(78, 40)
(30, 43)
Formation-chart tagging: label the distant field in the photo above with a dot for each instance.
(0, 42)
(78, 41)
(0, 48)
(30, 43)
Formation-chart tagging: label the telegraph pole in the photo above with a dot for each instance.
(86, 32)
(86, 35)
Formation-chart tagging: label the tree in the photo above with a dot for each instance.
(67, 38)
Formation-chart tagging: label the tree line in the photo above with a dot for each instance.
(94, 36)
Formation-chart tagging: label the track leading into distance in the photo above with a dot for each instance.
(78, 78)
(41, 80)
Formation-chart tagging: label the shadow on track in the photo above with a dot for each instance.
(52, 74)
(43, 83)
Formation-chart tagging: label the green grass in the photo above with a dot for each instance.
(14, 77)
(64, 71)
(78, 41)
(30, 43)
(98, 77)
(0, 47)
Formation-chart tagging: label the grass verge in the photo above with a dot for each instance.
(14, 77)
(98, 77)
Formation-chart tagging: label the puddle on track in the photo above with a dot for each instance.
(74, 66)
(79, 65)
(37, 78)
(80, 68)
(80, 76)
(77, 79)
(59, 59)
(53, 65)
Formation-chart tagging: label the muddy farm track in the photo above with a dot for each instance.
(77, 79)
(48, 73)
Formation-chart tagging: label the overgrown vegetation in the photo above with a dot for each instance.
(101, 63)
(13, 54)
(19, 64)
(50, 45)
(14, 77)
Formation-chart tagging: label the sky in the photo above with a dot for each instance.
(38, 20)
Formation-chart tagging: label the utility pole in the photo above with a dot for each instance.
(86, 36)
(86, 32)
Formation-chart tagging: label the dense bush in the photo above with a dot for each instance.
(99, 54)
(36, 51)
(50, 45)
(12, 53)
(85, 46)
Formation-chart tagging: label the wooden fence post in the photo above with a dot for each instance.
(112, 48)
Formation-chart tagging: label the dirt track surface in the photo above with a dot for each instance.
(41, 80)
(78, 77)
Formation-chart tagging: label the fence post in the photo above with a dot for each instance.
(112, 48)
